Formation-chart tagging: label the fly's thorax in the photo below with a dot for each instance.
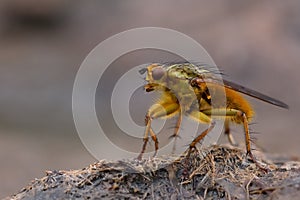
(183, 91)
(187, 71)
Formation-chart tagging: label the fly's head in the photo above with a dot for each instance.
(156, 76)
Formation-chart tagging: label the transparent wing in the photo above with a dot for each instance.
(244, 90)
(254, 94)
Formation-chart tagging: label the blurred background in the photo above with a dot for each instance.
(42, 44)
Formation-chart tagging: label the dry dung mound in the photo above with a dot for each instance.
(218, 172)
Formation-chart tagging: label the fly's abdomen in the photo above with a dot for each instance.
(236, 101)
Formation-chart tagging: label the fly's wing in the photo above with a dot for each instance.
(242, 89)
(254, 94)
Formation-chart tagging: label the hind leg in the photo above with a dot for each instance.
(240, 115)
(228, 133)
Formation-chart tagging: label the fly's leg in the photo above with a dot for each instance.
(239, 116)
(192, 147)
(248, 140)
(163, 109)
(202, 135)
(176, 131)
(147, 131)
(228, 133)
(200, 116)
(177, 126)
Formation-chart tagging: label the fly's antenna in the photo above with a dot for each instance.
(142, 71)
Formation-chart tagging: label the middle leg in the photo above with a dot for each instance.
(176, 131)
(202, 117)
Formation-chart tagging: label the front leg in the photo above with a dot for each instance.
(164, 108)
(147, 131)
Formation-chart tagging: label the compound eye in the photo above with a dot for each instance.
(157, 73)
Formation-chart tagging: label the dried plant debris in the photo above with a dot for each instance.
(218, 172)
